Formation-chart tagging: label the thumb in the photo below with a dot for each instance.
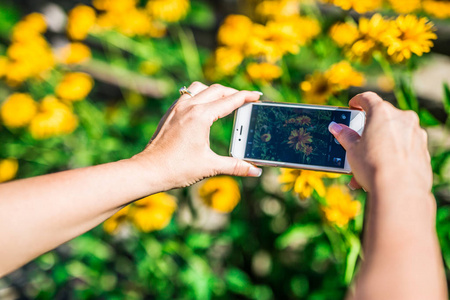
(345, 136)
(236, 167)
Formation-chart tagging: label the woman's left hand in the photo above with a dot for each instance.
(180, 147)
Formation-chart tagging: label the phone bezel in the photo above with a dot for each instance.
(241, 129)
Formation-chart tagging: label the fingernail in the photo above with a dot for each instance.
(334, 128)
(254, 172)
(258, 92)
(351, 187)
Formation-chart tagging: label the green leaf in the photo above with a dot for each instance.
(447, 98)
(297, 235)
(427, 119)
(408, 96)
(238, 281)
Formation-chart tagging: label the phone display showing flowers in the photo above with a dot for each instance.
(85, 83)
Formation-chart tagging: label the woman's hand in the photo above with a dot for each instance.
(392, 149)
(180, 147)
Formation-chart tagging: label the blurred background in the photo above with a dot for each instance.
(86, 82)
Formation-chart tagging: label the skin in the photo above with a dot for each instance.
(402, 258)
(40, 213)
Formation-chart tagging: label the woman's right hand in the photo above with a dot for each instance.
(392, 152)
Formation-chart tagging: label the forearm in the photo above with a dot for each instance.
(402, 258)
(40, 213)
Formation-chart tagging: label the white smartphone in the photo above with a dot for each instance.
(292, 135)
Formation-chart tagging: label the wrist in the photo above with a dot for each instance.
(147, 174)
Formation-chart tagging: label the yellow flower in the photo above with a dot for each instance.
(235, 31)
(114, 5)
(220, 193)
(279, 37)
(405, 6)
(304, 182)
(340, 207)
(344, 34)
(74, 86)
(437, 8)
(133, 22)
(80, 21)
(54, 118)
(113, 223)
(149, 67)
(409, 35)
(75, 53)
(299, 138)
(31, 57)
(317, 88)
(227, 60)
(361, 6)
(278, 8)
(343, 76)
(371, 34)
(32, 25)
(153, 212)
(263, 71)
(3, 66)
(168, 10)
(8, 169)
(18, 110)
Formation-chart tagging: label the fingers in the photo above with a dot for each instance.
(365, 101)
(195, 88)
(236, 167)
(225, 106)
(346, 137)
(354, 185)
(214, 92)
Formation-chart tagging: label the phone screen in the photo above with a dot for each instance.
(295, 135)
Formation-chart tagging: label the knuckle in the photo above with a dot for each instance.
(412, 117)
(369, 95)
(217, 86)
(196, 84)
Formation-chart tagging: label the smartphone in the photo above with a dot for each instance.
(292, 135)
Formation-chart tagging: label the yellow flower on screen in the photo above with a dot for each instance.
(113, 223)
(235, 31)
(168, 10)
(221, 193)
(437, 8)
(265, 72)
(153, 212)
(8, 169)
(18, 110)
(344, 34)
(304, 182)
(409, 34)
(54, 118)
(80, 21)
(74, 86)
(340, 207)
(343, 76)
(75, 53)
